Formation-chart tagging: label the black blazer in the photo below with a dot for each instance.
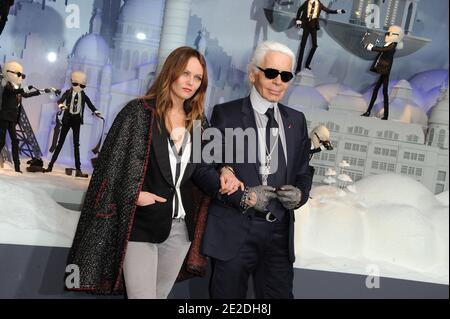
(153, 223)
(302, 15)
(67, 99)
(12, 102)
(385, 59)
(227, 226)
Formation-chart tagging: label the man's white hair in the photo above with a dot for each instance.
(269, 46)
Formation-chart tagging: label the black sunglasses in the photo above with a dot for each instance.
(78, 84)
(390, 33)
(326, 144)
(273, 73)
(19, 74)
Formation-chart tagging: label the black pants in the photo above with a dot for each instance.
(265, 255)
(72, 122)
(11, 128)
(383, 80)
(2, 25)
(306, 33)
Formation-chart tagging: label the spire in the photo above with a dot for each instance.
(96, 24)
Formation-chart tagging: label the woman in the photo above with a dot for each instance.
(138, 217)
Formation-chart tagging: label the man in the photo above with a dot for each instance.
(73, 103)
(251, 232)
(383, 66)
(11, 106)
(5, 5)
(308, 18)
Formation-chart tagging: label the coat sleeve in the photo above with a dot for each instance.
(328, 10)
(304, 174)
(300, 10)
(389, 48)
(89, 103)
(63, 98)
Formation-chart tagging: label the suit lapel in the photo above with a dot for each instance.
(248, 119)
(161, 151)
(289, 134)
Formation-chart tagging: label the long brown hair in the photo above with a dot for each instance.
(172, 69)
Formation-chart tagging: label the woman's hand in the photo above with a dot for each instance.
(229, 184)
(146, 199)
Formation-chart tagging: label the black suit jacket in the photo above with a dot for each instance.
(228, 225)
(67, 99)
(385, 59)
(12, 102)
(302, 15)
(153, 223)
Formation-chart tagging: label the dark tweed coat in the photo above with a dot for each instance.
(108, 212)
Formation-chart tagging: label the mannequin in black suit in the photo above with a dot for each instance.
(308, 18)
(73, 118)
(11, 106)
(383, 66)
(4, 12)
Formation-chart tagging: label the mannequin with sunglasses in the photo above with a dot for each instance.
(383, 65)
(11, 106)
(308, 19)
(320, 140)
(73, 103)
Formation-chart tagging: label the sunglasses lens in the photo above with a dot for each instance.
(286, 76)
(271, 73)
(75, 84)
(82, 86)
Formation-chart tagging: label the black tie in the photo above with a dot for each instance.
(271, 124)
(313, 6)
(278, 178)
(75, 103)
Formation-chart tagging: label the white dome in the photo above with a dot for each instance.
(350, 101)
(439, 114)
(428, 80)
(146, 12)
(306, 96)
(330, 91)
(404, 111)
(92, 48)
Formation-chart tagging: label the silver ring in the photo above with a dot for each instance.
(268, 218)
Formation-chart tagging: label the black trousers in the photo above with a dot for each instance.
(264, 255)
(383, 80)
(11, 128)
(2, 25)
(305, 36)
(72, 122)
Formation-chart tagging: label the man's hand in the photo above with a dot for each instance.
(289, 196)
(229, 184)
(146, 199)
(98, 113)
(341, 11)
(369, 47)
(62, 106)
(298, 23)
(260, 196)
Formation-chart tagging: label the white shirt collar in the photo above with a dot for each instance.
(260, 104)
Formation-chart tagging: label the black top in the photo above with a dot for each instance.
(12, 102)
(153, 223)
(384, 60)
(67, 99)
(302, 15)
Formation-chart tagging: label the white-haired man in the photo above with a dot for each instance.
(251, 232)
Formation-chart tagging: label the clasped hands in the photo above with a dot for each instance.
(229, 184)
(259, 197)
